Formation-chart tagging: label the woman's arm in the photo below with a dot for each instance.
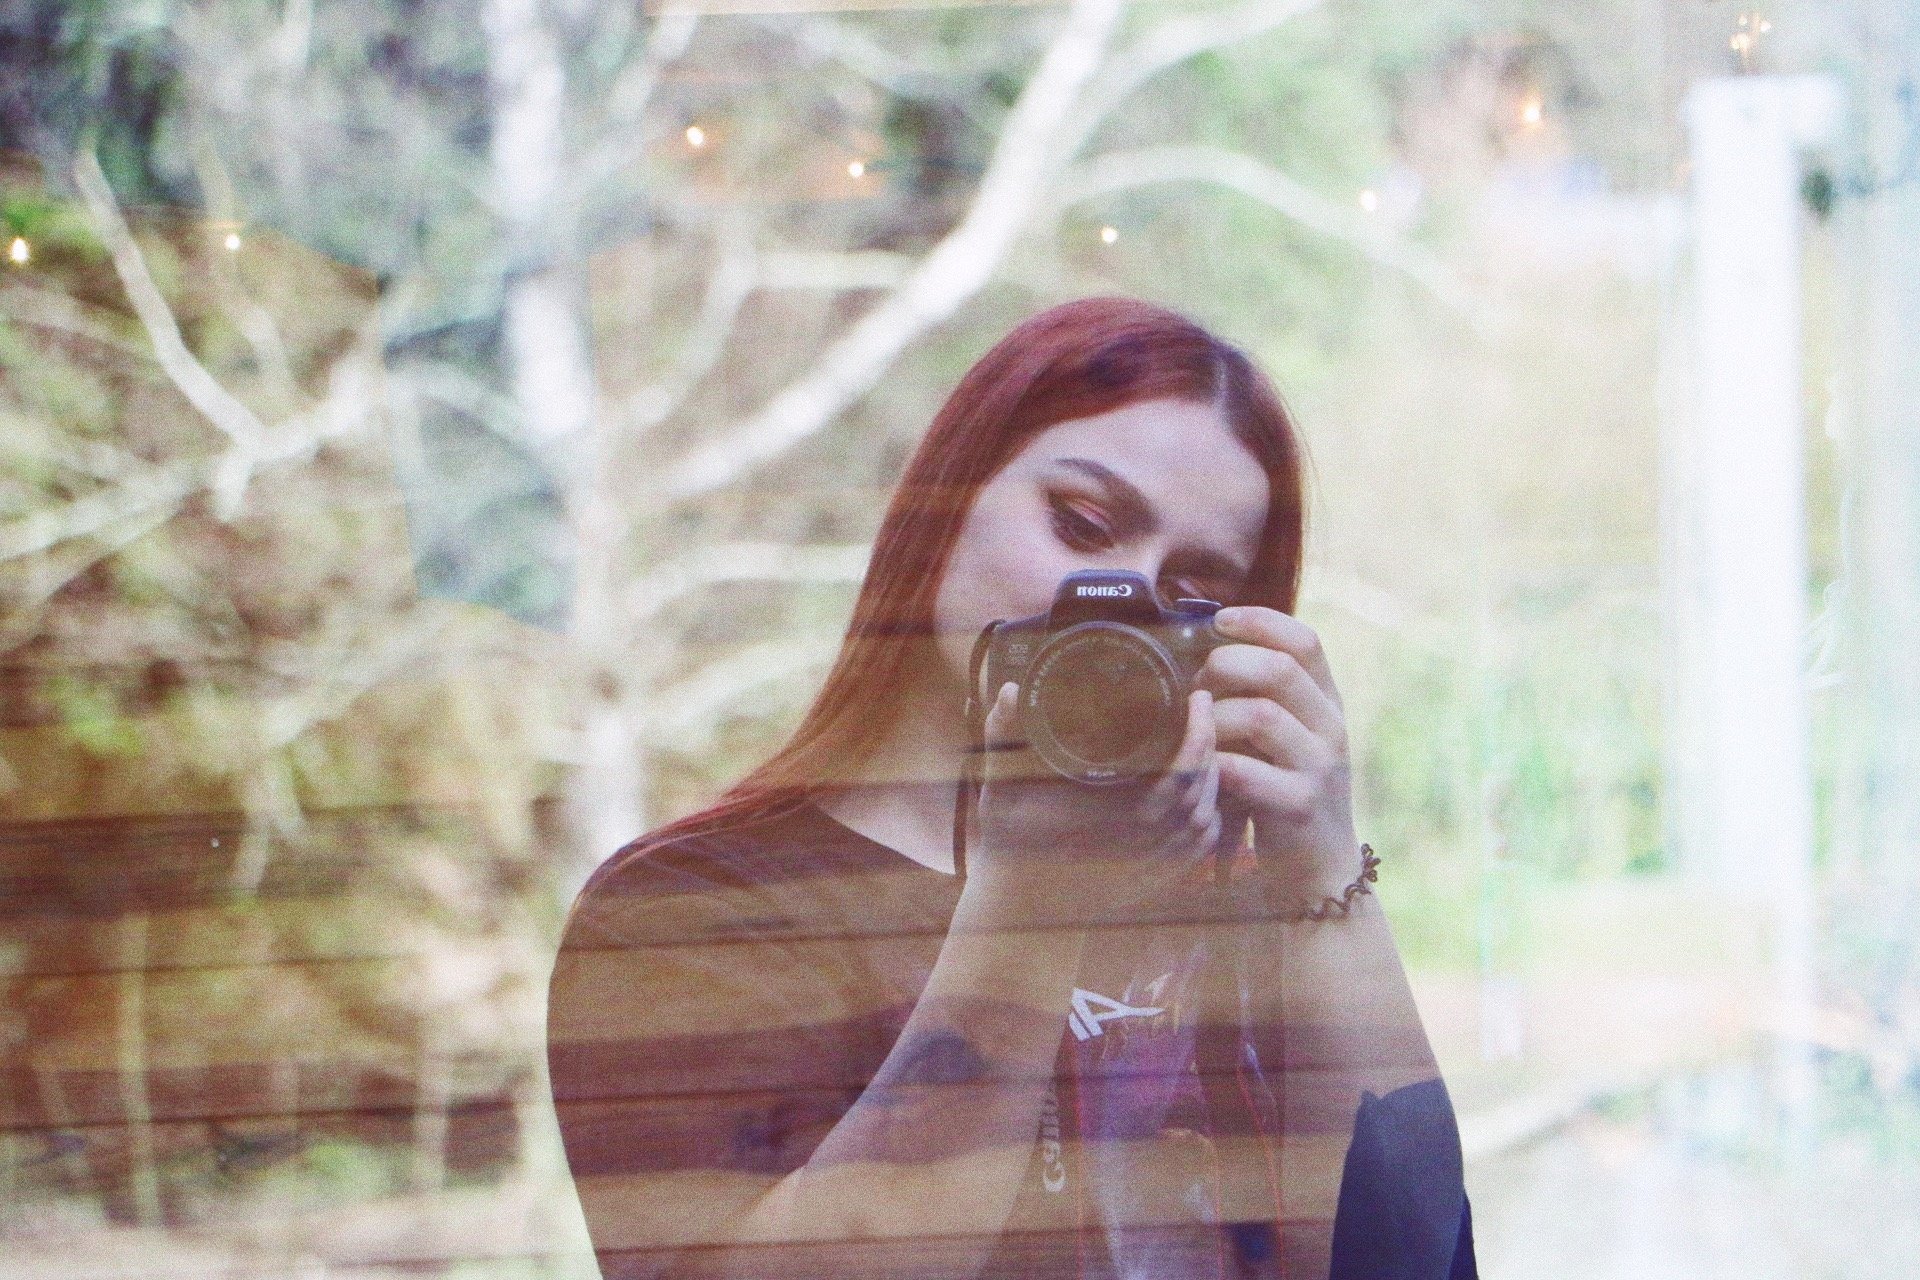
(1284, 764)
(937, 1144)
(700, 1051)
(1338, 1020)
(696, 1161)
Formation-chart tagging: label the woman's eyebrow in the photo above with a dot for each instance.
(1132, 510)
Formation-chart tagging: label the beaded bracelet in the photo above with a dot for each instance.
(1341, 907)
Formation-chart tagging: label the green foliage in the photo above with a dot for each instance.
(55, 228)
(330, 1172)
(92, 714)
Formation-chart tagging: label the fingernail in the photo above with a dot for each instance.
(1226, 618)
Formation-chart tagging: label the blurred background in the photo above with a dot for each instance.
(441, 442)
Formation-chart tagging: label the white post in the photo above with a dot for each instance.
(1738, 543)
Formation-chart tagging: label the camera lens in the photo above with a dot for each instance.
(1107, 703)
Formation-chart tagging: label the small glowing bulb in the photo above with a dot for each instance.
(1369, 199)
(1109, 234)
(856, 168)
(19, 252)
(1532, 112)
(1765, 26)
(232, 242)
(696, 136)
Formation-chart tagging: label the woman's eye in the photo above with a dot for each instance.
(1078, 529)
(1193, 588)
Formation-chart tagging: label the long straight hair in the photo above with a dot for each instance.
(1076, 360)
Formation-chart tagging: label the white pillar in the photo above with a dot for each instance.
(1738, 539)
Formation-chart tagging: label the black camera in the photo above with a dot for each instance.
(1103, 675)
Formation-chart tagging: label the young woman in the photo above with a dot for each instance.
(1155, 1029)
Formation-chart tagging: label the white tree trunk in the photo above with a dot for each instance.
(551, 369)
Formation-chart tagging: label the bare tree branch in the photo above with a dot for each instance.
(459, 390)
(45, 309)
(1059, 111)
(1257, 180)
(623, 136)
(29, 439)
(202, 390)
(911, 78)
(345, 670)
(834, 272)
(744, 562)
(349, 665)
(728, 288)
(687, 713)
(957, 268)
(348, 407)
(131, 498)
(1167, 45)
(259, 328)
(45, 575)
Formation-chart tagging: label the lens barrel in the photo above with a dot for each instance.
(1104, 702)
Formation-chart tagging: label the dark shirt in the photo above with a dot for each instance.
(720, 1001)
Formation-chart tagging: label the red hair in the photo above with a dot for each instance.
(1073, 361)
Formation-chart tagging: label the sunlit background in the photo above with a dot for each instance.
(441, 441)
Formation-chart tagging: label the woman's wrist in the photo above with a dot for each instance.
(1338, 905)
(1000, 900)
(999, 959)
(1317, 879)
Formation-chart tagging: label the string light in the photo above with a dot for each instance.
(1532, 111)
(232, 241)
(1109, 234)
(1369, 199)
(856, 168)
(19, 253)
(1746, 37)
(696, 136)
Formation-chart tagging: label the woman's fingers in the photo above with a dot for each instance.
(1204, 792)
(1251, 786)
(1245, 670)
(1263, 728)
(1183, 783)
(1271, 629)
(1000, 713)
(1199, 764)
(1002, 739)
(1110, 836)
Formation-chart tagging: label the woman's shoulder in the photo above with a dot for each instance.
(761, 875)
(684, 879)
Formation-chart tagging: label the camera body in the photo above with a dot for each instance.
(1103, 675)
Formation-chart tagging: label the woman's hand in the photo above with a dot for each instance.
(1065, 852)
(1283, 747)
